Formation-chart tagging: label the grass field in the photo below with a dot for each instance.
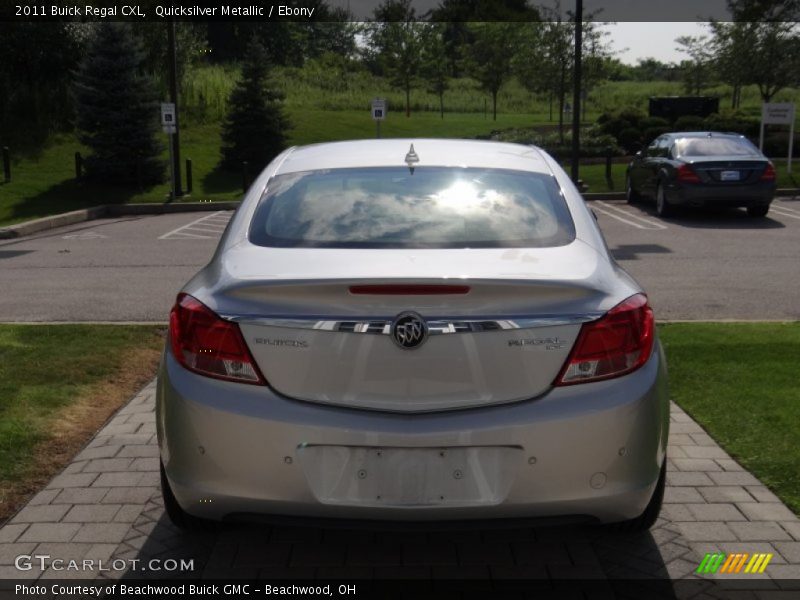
(324, 104)
(58, 384)
(739, 381)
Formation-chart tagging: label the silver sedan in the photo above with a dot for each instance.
(413, 330)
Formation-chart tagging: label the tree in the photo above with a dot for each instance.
(697, 71)
(395, 39)
(117, 110)
(435, 63)
(761, 46)
(255, 126)
(35, 80)
(490, 55)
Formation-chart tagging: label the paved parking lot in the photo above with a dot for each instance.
(106, 506)
(699, 265)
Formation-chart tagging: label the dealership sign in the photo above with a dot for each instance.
(778, 113)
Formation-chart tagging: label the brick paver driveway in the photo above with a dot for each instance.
(106, 505)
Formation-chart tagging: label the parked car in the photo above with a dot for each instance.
(705, 168)
(413, 330)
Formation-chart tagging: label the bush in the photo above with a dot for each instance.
(736, 122)
(630, 139)
(689, 123)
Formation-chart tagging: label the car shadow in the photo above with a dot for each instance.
(713, 218)
(557, 559)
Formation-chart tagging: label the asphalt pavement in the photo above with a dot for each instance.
(698, 265)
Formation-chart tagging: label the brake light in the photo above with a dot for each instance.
(618, 343)
(413, 289)
(687, 175)
(769, 173)
(206, 344)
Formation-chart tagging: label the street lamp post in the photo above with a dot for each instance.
(576, 96)
(172, 59)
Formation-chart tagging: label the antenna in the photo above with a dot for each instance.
(411, 159)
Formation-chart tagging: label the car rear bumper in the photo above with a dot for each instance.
(720, 195)
(591, 450)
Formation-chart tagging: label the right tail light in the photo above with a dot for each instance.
(616, 344)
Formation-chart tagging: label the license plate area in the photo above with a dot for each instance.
(408, 477)
(729, 176)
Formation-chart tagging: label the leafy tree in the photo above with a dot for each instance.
(435, 63)
(255, 127)
(36, 62)
(117, 110)
(490, 55)
(761, 46)
(697, 71)
(395, 40)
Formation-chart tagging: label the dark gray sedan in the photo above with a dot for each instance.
(702, 168)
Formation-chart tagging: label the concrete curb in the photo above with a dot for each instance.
(782, 193)
(109, 210)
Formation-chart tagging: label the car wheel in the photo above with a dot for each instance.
(179, 517)
(646, 520)
(663, 208)
(631, 195)
(758, 210)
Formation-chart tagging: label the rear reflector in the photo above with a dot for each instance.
(769, 173)
(206, 344)
(403, 289)
(687, 175)
(618, 343)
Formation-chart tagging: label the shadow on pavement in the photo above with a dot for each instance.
(559, 561)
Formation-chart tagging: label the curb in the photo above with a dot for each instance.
(782, 193)
(109, 210)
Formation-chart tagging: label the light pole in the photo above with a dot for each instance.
(576, 92)
(172, 60)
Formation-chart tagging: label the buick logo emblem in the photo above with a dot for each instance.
(409, 330)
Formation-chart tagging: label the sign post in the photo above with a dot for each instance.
(378, 114)
(778, 113)
(170, 128)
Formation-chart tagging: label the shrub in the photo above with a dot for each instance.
(689, 123)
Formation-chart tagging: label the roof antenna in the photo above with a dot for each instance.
(411, 159)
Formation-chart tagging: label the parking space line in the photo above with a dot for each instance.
(641, 224)
(204, 225)
(785, 212)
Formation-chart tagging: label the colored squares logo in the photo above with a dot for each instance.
(740, 562)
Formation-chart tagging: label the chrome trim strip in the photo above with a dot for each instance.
(435, 326)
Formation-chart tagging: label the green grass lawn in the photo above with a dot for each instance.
(595, 176)
(740, 382)
(58, 384)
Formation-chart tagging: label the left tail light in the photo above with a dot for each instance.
(616, 344)
(207, 344)
(687, 174)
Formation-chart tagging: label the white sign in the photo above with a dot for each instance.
(379, 109)
(777, 113)
(168, 117)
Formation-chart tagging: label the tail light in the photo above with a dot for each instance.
(618, 343)
(769, 173)
(686, 174)
(206, 344)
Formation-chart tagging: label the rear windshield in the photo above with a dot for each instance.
(714, 147)
(431, 207)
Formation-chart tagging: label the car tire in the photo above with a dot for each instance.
(631, 195)
(758, 210)
(650, 515)
(179, 517)
(663, 208)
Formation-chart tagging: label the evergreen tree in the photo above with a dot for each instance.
(117, 110)
(255, 127)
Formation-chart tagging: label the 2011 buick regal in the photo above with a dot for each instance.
(413, 330)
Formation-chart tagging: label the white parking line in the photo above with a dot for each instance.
(205, 228)
(785, 212)
(638, 222)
